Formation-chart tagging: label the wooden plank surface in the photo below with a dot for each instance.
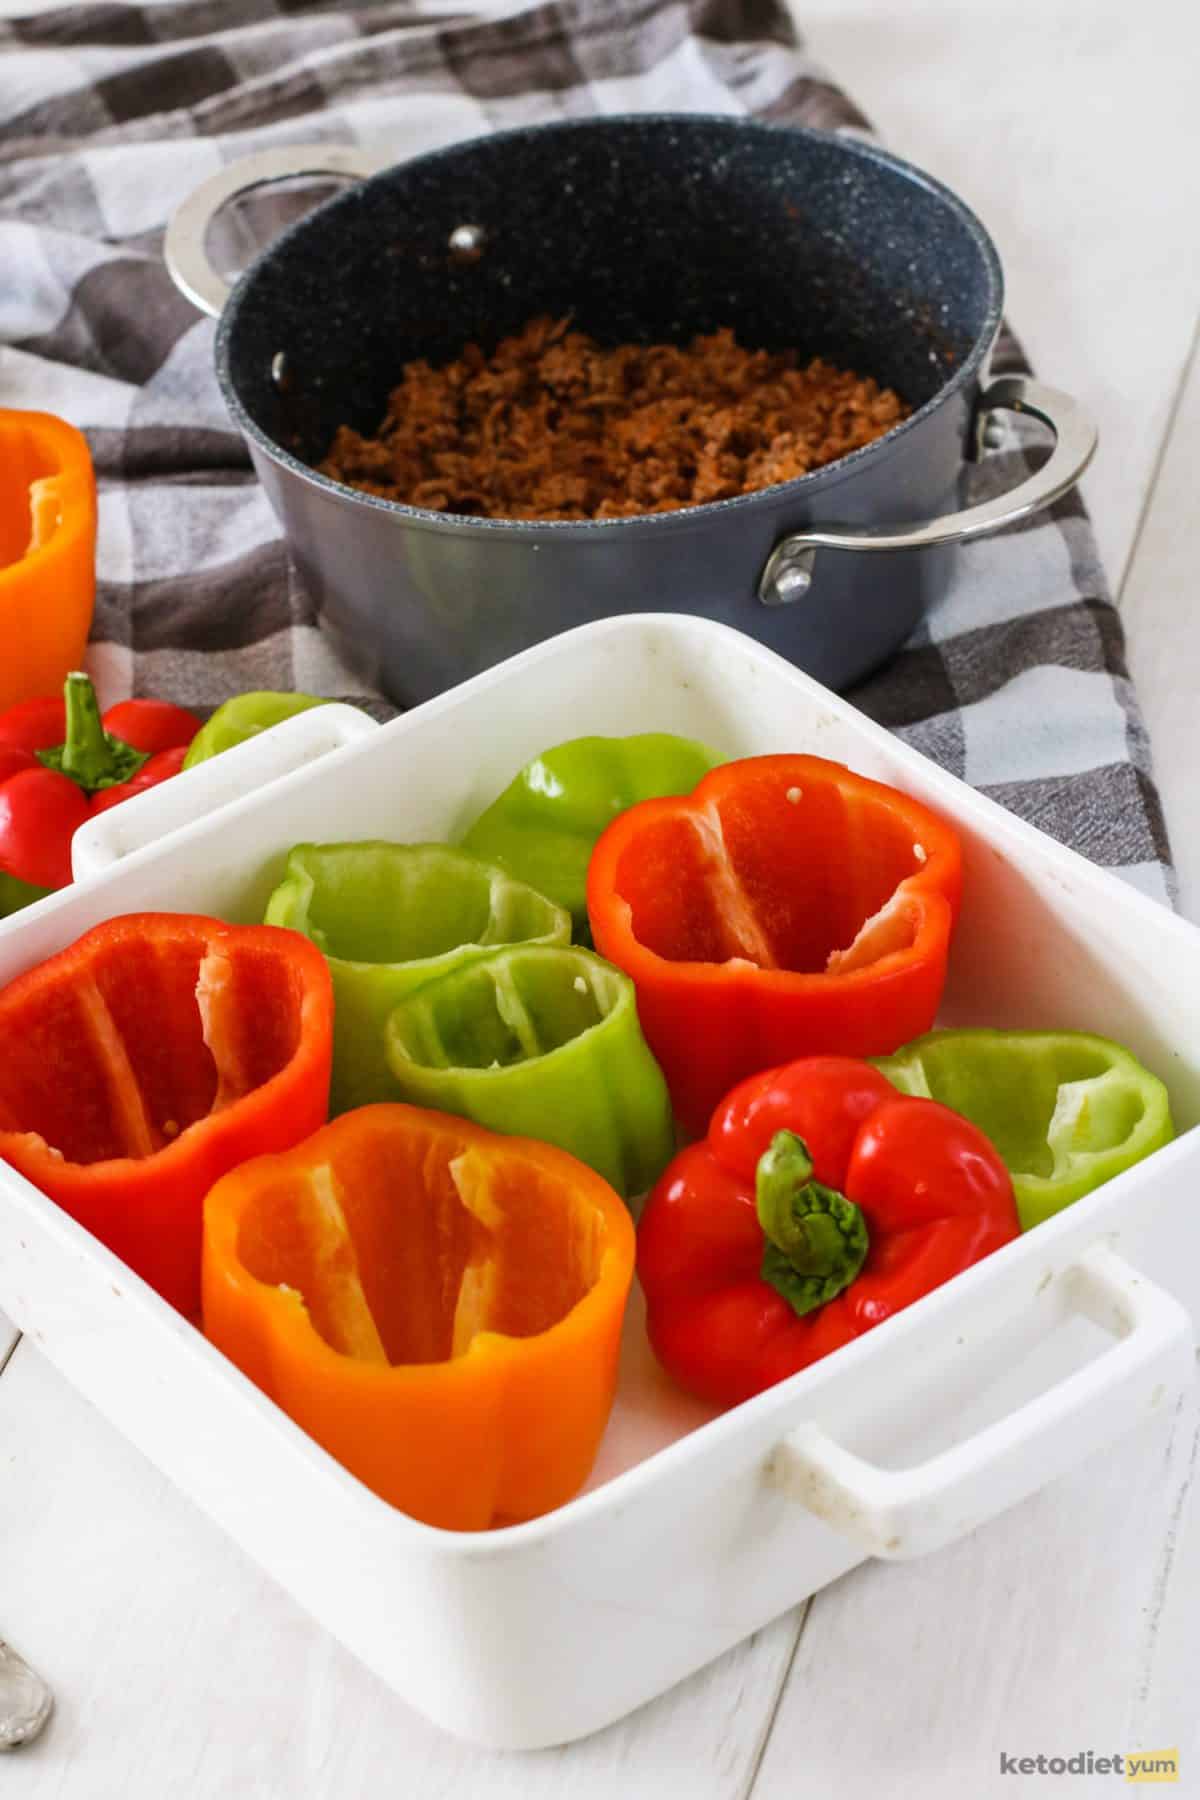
(180, 1669)
(1162, 622)
(1070, 128)
(1068, 1625)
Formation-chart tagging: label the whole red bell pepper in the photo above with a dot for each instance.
(152, 725)
(60, 762)
(820, 1203)
(786, 907)
(148, 1059)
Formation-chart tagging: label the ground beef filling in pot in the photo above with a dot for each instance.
(553, 426)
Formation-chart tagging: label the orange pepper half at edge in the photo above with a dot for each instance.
(47, 552)
(437, 1305)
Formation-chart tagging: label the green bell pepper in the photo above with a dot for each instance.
(388, 918)
(540, 1042)
(15, 894)
(544, 825)
(1066, 1111)
(244, 717)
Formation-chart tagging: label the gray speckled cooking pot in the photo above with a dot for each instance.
(645, 228)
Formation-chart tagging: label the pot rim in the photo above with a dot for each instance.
(635, 524)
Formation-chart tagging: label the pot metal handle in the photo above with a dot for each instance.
(788, 574)
(185, 245)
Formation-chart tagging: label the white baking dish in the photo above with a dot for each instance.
(694, 1530)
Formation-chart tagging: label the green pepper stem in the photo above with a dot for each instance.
(90, 756)
(86, 755)
(816, 1239)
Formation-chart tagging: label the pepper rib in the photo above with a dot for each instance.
(737, 914)
(348, 1310)
(135, 1130)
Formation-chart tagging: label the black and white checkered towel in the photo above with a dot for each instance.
(110, 113)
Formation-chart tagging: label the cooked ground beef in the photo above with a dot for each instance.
(552, 426)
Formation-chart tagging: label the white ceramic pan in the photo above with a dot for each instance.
(694, 1531)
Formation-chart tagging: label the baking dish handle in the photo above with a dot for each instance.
(900, 1513)
(185, 247)
(212, 785)
(788, 574)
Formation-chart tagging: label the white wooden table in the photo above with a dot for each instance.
(1071, 1624)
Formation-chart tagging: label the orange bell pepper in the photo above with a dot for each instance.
(786, 907)
(440, 1307)
(149, 1057)
(47, 552)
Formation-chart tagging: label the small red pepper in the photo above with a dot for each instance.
(786, 907)
(34, 725)
(12, 760)
(148, 1059)
(149, 725)
(152, 725)
(40, 813)
(820, 1203)
(60, 762)
(159, 768)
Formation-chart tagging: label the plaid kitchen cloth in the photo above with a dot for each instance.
(111, 113)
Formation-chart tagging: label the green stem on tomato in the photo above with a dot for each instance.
(816, 1239)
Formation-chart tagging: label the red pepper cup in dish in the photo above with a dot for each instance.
(786, 907)
(149, 1058)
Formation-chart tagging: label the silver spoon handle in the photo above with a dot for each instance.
(25, 1700)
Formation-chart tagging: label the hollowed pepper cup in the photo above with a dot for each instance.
(438, 1306)
(149, 1057)
(390, 917)
(787, 907)
(544, 1041)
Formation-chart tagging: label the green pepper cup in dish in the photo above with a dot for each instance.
(543, 826)
(544, 1042)
(390, 917)
(1066, 1110)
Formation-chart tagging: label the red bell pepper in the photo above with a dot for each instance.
(821, 1203)
(149, 725)
(60, 762)
(34, 725)
(786, 907)
(147, 1060)
(160, 767)
(152, 725)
